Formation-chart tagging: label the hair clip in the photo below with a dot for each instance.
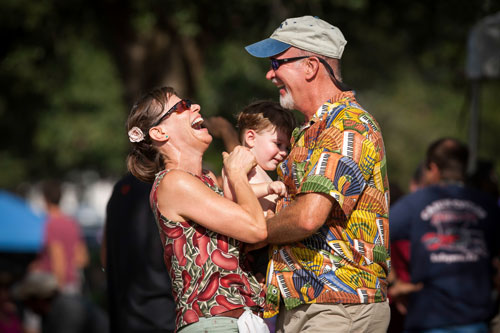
(135, 134)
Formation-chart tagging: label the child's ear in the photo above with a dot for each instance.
(249, 138)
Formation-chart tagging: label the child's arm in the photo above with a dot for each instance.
(263, 189)
(260, 189)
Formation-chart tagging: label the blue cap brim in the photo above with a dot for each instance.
(267, 48)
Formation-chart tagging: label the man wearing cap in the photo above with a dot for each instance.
(330, 254)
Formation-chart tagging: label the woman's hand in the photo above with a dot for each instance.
(240, 160)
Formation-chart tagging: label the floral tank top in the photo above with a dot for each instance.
(204, 266)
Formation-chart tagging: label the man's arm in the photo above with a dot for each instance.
(301, 219)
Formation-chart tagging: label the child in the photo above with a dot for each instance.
(266, 128)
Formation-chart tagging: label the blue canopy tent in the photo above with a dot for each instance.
(21, 230)
(21, 233)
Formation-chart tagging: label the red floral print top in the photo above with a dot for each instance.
(207, 278)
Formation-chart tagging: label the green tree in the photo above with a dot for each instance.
(70, 71)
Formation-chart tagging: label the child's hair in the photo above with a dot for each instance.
(261, 115)
(144, 161)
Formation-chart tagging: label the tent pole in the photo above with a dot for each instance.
(474, 125)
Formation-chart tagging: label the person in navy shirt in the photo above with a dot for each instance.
(452, 230)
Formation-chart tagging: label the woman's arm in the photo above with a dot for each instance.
(182, 196)
(260, 189)
(228, 191)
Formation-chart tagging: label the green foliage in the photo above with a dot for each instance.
(15, 169)
(70, 71)
(412, 114)
(84, 123)
(61, 104)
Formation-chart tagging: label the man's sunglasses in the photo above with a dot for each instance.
(180, 106)
(276, 63)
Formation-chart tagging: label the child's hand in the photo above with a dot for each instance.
(277, 187)
(268, 214)
(262, 280)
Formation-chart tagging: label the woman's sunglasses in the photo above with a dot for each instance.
(180, 106)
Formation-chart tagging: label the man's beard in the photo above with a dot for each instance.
(286, 100)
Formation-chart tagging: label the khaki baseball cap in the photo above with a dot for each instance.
(308, 33)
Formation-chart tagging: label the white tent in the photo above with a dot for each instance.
(483, 63)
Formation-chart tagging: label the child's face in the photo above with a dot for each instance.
(271, 148)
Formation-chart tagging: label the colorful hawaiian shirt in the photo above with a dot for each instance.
(340, 152)
(204, 266)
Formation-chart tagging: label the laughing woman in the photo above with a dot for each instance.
(201, 230)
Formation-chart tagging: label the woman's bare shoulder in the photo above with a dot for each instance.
(176, 180)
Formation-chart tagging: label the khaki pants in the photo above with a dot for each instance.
(344, 318)
(212, 325)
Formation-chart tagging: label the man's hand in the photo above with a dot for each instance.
(220, 127)
(255, 246)
(496, 275)
(398, 292)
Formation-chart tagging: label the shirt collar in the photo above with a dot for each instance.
(325, 107)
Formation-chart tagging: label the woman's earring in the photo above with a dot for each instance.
(166, 136)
